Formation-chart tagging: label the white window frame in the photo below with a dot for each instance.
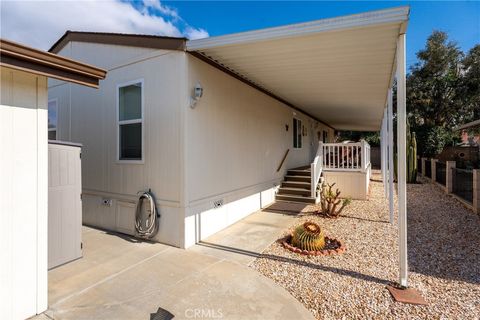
(141, 121)
(56, 125)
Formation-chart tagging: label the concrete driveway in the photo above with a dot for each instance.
(121, 278)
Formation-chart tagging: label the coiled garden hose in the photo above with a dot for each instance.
(146, 217)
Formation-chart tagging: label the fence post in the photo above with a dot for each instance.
(434, 169)
(476, 190)
(423, 166)
(448, 175)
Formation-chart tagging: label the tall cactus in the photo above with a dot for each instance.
(411, 157)
(412, 160)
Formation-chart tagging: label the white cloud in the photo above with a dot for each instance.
(41, 23)
(192, 33)
(166, 10)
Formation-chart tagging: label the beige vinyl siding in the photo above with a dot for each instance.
(103, 56)
(236, 139)
(237, 135)
(93, 123)
(89, 117)
(227, 148)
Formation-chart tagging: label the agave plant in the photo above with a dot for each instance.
(308, 236)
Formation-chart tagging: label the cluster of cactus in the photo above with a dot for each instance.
(411, 157)
(329, 201)
(308, 236)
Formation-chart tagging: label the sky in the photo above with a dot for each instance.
(41, 23)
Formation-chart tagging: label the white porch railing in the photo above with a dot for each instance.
(339, 157)
(345, 156)
(316, 170)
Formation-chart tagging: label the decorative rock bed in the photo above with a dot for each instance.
(444, 259)
(332, 246)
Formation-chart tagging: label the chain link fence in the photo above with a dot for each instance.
(462, 183)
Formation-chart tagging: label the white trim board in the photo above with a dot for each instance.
(393, 15)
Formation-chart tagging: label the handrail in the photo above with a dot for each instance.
(346, 156)
(283, 160)
(316, 169)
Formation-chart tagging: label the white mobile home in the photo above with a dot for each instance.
(211, 126)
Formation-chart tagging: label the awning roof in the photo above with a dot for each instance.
(338, 70)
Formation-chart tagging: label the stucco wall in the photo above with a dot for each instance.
(23, 194)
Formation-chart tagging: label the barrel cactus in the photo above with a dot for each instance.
(308, 236)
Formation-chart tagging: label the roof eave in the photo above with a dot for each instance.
(393, 15)
(136, 40)
(20, 57)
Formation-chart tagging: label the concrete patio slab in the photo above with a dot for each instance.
(104, 255)
(121, 278)
(245, 240)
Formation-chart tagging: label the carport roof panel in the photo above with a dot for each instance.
(338, 69)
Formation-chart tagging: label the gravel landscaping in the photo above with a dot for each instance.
(444, 260)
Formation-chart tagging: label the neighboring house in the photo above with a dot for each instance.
(24, 171)
(469, 133)
(469, 139)
(212, 125)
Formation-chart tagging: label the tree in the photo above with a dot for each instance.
(469, 90)
(443, 91)
(373, 138)
(433, 95)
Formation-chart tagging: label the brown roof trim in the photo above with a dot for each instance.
(253, 85)
(122, 39)
(20, 57)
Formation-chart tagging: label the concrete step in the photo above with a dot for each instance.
(296, 191)
(294, 198)
(298, 178)
(295, 172)
(296, 184)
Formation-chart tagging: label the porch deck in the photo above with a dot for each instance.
(345, 164)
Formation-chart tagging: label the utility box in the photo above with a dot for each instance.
(64, 203)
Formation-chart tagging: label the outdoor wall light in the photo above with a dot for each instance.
(197, 94)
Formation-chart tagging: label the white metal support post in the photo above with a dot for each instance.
(384, 154)
(402, 159)
(382, 143)
(390, 151)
